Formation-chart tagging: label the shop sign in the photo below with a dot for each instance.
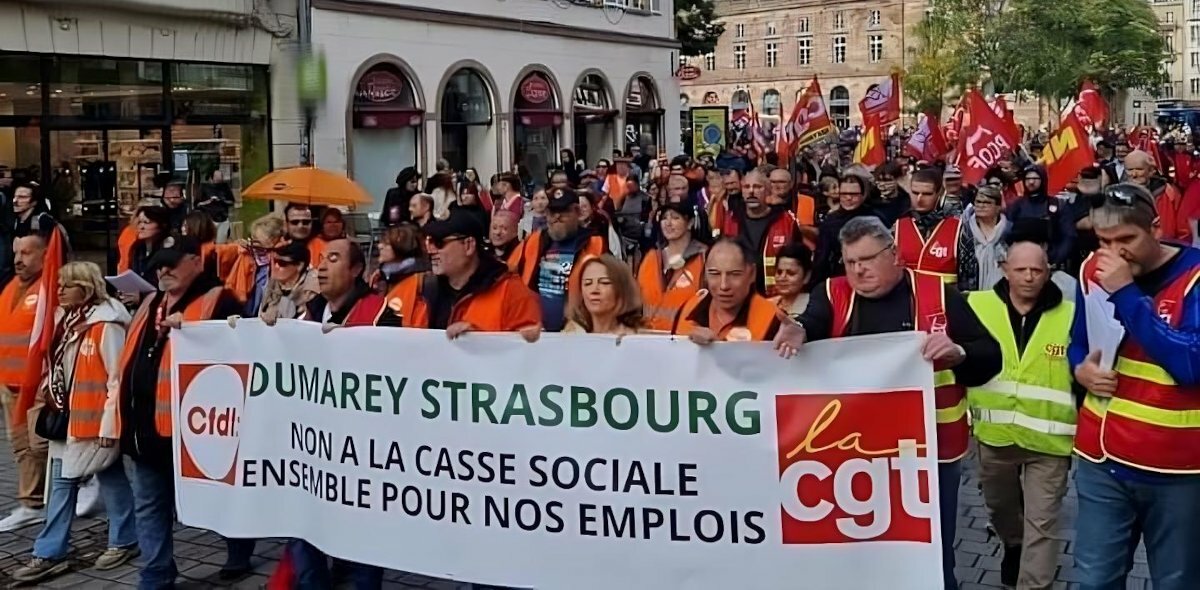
(379, 86)
(535, 89)
(687, 72)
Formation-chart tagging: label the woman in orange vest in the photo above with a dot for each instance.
(607, 300)
(199, 225)
(153, 225)
(79, 386)
(244, 266)
(671, 274)
(401, 255)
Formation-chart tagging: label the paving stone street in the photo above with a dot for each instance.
(199, 554)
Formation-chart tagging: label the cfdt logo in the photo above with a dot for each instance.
(210, 406)
(854, 468)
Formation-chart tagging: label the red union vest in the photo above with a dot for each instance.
(950, 399)
(779, 234)
(938, 255)
(1151, 422)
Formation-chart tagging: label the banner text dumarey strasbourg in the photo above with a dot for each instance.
(573, 462)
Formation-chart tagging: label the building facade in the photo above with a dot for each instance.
(99, 103)
(491, 84)
(771, 49)
(1179, 25)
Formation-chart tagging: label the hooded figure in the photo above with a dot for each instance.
(395, 203)
(1049, 211)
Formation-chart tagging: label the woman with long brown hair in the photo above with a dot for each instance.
(607, 301)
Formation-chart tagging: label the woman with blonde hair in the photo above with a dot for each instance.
(607, 300)
(79, 388)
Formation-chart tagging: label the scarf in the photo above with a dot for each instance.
(989, 253)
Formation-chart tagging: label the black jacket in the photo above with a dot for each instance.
(1043, 218)
(827, 260)
(395, 203)
(894, 313)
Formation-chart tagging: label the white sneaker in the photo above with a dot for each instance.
(23, 516)
(89, 502)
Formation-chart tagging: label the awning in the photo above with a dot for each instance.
(538, 117)
(388, 118)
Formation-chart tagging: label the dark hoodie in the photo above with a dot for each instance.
(1023, 326)
(395, 204)
(1050, 212)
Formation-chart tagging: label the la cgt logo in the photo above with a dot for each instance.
(210, 408)
(854, 468)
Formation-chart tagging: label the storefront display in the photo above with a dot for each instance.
(643, 115)
(386, 128)
(537, 118)
(467, 131)
(593, 122)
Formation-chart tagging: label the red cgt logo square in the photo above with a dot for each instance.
(854, 468)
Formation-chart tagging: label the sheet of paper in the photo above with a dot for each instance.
(1104, 331)
(130, 282)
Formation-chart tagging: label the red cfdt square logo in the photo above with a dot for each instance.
(854, 468)
(211, 400)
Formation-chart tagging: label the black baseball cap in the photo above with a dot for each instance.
(563, 201)
(458, 223)
(173, 250)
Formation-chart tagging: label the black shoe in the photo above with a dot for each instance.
(1010, 565)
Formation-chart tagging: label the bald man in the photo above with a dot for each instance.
(1177, 212)
(1024, 418)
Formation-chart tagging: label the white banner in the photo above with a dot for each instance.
(570, 463)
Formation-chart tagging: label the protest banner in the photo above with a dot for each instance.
(490, 460)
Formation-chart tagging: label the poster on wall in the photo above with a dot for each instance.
(710, 128)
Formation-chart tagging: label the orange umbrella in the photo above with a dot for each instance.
(311, 186)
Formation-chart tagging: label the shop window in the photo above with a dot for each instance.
(643, 115)
(839, 106)
(593, 119)
(537, 117)
(207, 90)
(20, 85)
(466, 120)
(97, 89)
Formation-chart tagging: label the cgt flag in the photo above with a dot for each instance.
(870, 150)
(985, 138)
(882, 100)
(1067, 152)
(810, 120)
(927, 142)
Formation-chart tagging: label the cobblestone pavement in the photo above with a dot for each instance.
(199, 554)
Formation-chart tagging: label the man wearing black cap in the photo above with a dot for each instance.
(469, 289)
(186, 293)
(546, 260)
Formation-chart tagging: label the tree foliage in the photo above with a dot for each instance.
(696, 27)
(1045, 47)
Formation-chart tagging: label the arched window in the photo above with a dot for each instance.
(385, 133)
(595, 135)
(771, 104)
(711, 97)
(537, 116)
(466, 121)
(839, 106)
(643, 115)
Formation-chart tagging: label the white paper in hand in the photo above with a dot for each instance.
(130, 282)
(1104, 331)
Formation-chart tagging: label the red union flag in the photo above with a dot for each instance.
(984, 139)
(847, 480)
(810, 120)
(1000, 106)
(882, 100)
(1092, 103)
(927, 142)
(1067, 152)
(870, 150)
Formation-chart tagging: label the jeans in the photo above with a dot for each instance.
(154, 504)
(1117, 507)
(949, 478)
(312, 569)
(53, 542)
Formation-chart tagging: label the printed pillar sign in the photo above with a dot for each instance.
(719, 467)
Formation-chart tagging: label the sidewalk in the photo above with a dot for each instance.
(199, 554)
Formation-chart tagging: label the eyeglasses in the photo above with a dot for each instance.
(1124, 195)
(439, 243)
(284, 262)
(852, 262)
(299, 222)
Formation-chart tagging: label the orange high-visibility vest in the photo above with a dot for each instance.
(125, 243)
(18, 313)
(937, 255)
(760, 319)
(662, 294)
(526, 258)
(1151, 422)
(89, 387)
(950, 399)
(198, 310)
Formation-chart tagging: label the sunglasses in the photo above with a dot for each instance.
(285, 262)
(1122, 195)
(439, 243)
(300, 222)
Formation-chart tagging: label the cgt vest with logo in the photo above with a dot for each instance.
(779, 234)
(662, 297)
(929, 305)
(938, 255)
(1151, 422)
(17, 319)
(198, 310)
(1030, 403)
